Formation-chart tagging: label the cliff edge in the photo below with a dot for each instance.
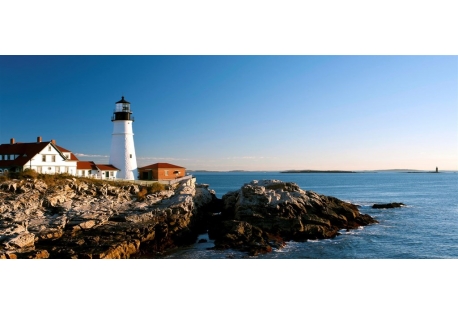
(78, 219)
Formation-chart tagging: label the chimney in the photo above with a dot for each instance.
(53, 141)
(12, 141)
(39, 139)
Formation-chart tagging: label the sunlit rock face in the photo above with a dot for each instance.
(84, 220)
(265, 213)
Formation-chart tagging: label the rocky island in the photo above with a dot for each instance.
(266, 213)
(84, 219)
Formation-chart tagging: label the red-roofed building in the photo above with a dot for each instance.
(91, 169)
(43, 157)
(161, 171)
(48, 157)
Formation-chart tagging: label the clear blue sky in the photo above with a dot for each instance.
(242, 112)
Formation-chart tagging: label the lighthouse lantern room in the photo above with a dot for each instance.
(122, 154)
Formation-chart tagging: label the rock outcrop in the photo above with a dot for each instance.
(264, 214)
(388, 205)
(83, 220)
(79, 219)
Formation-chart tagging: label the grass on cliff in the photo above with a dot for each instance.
(152, 188)
(52, 180)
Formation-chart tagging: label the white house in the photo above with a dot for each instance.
(48, 157)
(91, 169)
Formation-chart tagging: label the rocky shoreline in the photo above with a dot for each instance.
(77, 219)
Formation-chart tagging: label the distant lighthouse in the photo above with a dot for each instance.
(122, 154)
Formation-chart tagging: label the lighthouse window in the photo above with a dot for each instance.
(130, 155)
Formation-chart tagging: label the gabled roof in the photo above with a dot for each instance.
(64, 150)
(26, 152)
(160, 165)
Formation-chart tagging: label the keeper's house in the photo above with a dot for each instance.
(161, 171)
(48, 157)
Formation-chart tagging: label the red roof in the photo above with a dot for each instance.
(83, 165)
(90, 165)
(25, 152)
(72, 157)
(161, 165)
(107, 167)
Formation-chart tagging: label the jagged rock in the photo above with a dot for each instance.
(86, 220)
(271, 210)
(19, 240)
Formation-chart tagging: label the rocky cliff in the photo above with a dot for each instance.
(83, 220)
(265, 214)
(78, 219)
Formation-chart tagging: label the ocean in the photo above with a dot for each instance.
(426, 228)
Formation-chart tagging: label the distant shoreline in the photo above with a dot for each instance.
(325, 171)
(317, 171)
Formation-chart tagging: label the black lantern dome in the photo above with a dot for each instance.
(122, 111)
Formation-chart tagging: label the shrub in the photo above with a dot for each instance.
(28, 174)
(141, 194)
(4, 177)
(156, 187)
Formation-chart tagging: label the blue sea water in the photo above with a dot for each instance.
(426, 228)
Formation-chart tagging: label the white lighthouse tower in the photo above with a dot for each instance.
(122, 154)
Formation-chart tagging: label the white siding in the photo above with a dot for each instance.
(122, 154)
(49, 166)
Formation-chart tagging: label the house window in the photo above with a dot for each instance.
(1, 157)
(43, 157)
(7, 157)
(57, 169)
(130, 155)
(39, 169)
(54, 158)
(49, 148)
(111, 173)
(166, 172)
(66, 169)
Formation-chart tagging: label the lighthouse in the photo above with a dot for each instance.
(122, 154)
